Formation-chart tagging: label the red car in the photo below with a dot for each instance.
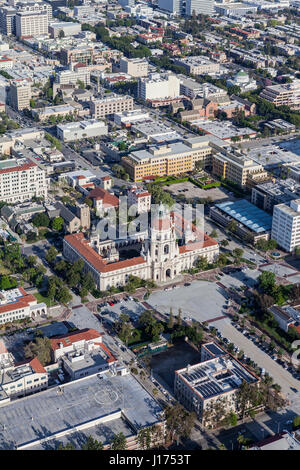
(111, 303)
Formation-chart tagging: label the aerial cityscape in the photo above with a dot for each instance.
(150, 225)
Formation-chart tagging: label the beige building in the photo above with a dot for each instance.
(20, 95)
(23, 379)
(31, 23)
(287, 94)
(20, 180)
(214, 381)
(140, 198)
(239, 169)
(172, 159)
(134, 67)
(111, 104)
(161, 258)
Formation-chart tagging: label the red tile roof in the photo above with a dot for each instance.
(23, 302)
(24, 167)
(81, 245)
(34, 363)
(100, 194)
(86, 334)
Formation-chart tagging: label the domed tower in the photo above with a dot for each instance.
(163, 246)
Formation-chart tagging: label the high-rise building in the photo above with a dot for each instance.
(286, 225)
(20, 95)
(173, 6)
(158, 86)
(7, 20)
(31, 23)
(21, 180)
(205, 7)
(134, 67)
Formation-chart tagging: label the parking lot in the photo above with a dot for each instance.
(201, 300)
(112, 312)
(190, 191)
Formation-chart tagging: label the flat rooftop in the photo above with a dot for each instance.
(247, 214)
(216, 376)
(45, 414)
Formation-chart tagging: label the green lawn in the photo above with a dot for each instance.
(42, 298)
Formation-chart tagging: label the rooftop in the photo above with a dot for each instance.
(216, 376)
(45, 414)
(247, 214)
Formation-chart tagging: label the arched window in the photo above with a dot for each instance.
(166, 249)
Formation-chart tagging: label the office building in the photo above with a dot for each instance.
(214, 380)
(31, 23)
(111, 104)
(158, 86)
(106, 404)
(73, 75)
(134, 67)
(21, 180)
(171, 159)
(287, 94)
(198, 65)
(286, 225)
(267, 195)
(203, 7)
(64, 29)
(20, 95)
(173, 6)
(81, 130)
(7, 20)
(231, 164)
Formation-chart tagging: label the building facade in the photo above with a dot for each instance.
(286, 225)
(110, 105)
(161, 258)
(21, 180)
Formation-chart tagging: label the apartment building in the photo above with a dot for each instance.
(215, 380)
(16, 304)
(20, 95)
(111, 104)
(198, 65)
(172, 159)
(173, 6)
(287, 94)
(20, 180)
(74, 74)
(140, 198)
(81, 130)
(286, 225)
(134, 67)
(236, 167)
(8, 15)
(31, 23)
(158, 86)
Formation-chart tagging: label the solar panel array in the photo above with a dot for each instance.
(195, 375)
(209, 389)
(242, 374)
